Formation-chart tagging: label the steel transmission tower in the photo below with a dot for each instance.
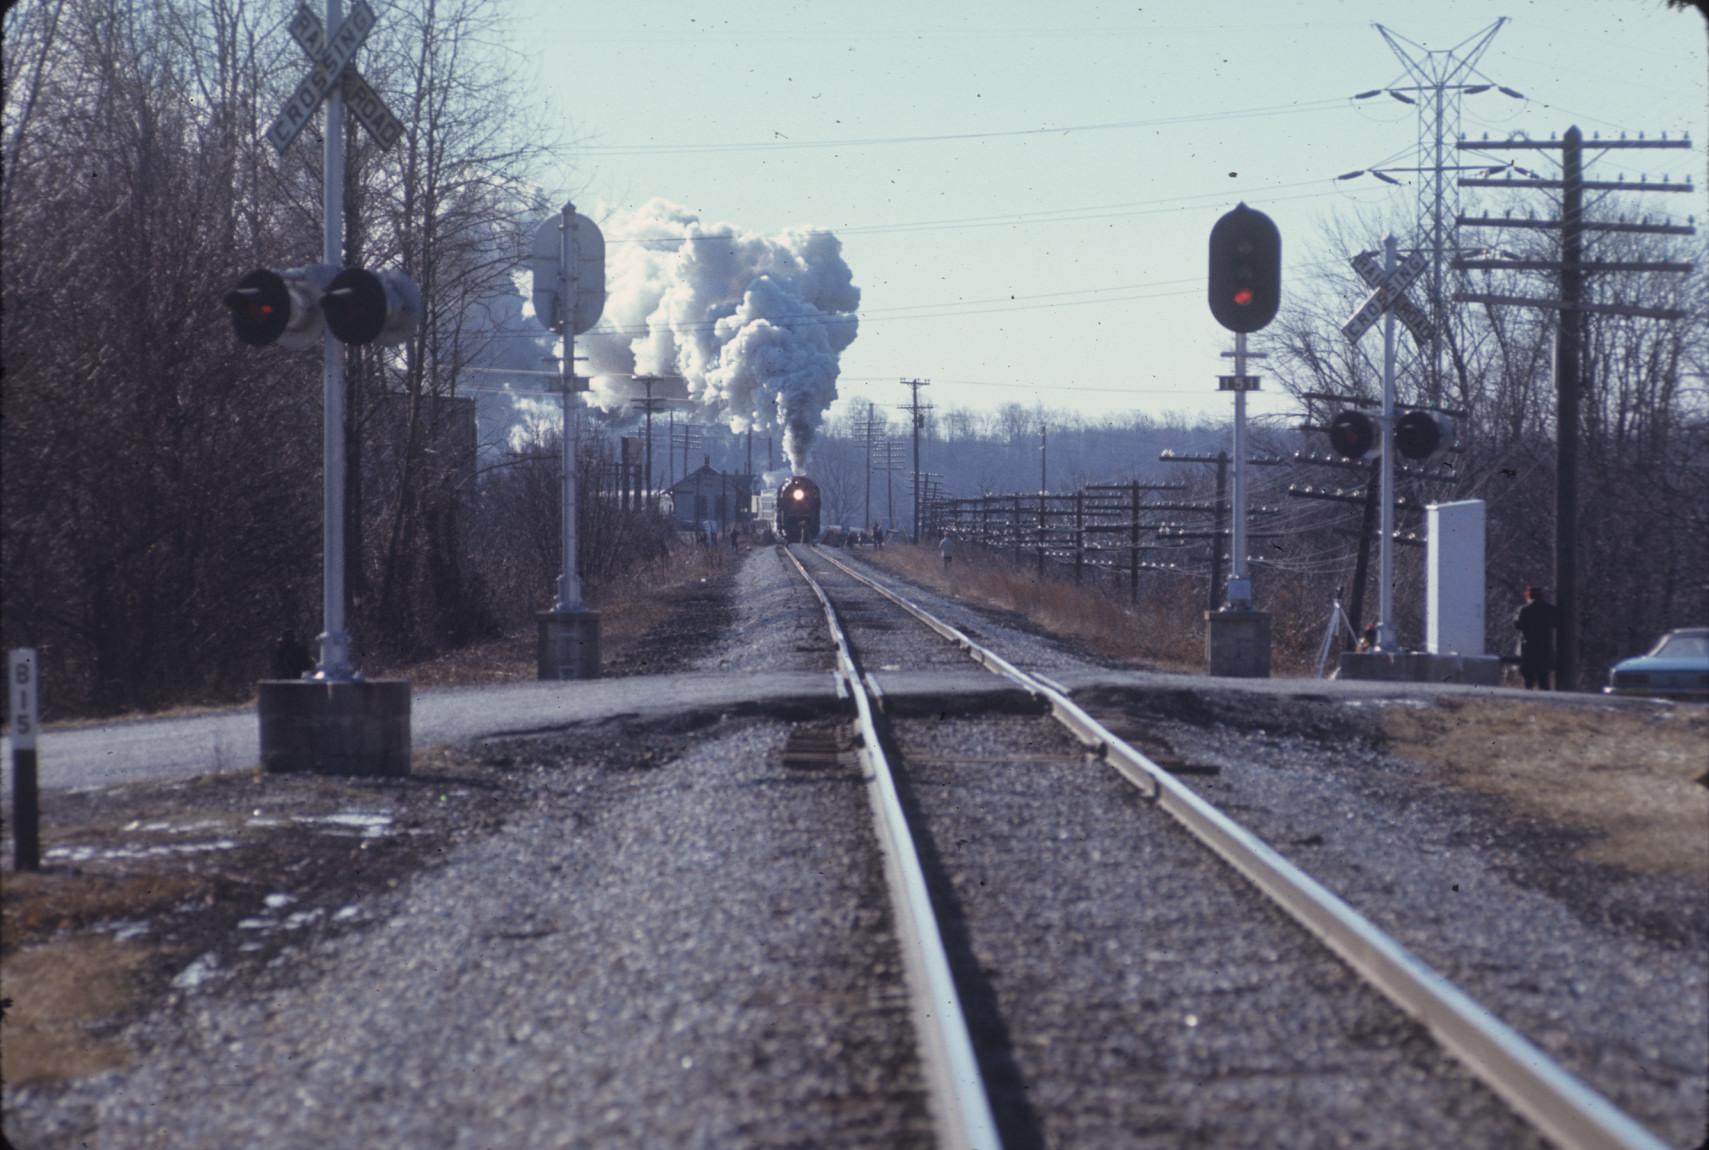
(1435, 83)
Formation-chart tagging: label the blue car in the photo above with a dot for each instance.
(1676, 668)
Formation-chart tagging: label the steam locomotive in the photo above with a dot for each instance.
(798, 510)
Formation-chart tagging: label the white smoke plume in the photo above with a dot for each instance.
(752, 324)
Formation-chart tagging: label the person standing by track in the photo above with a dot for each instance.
(1536, 622)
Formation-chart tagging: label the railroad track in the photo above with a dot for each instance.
(1548, 1099)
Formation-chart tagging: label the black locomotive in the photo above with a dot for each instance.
(798, 510)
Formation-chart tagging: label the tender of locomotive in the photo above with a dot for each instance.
(798, 510)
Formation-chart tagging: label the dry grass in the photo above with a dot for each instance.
(1628, 776)
(627, 609)
(66, 993)
(58, 993)
(1152, 635)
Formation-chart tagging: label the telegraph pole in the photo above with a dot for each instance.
(649, 405)
(870, 427)
(1574, 310)
(918, 414)
(1569, 336)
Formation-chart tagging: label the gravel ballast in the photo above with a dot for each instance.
(676, 940)
(1136, 991)
(677, 933)
(1603, 968)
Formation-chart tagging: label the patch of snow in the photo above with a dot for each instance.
(372, 825)
(198, 972)
(80, 854)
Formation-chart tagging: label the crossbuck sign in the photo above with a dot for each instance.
(1370, 269)
(1388, 292)
(332, 64)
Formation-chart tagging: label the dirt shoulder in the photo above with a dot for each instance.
(1632, 777)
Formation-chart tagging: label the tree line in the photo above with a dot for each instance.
(162, 493)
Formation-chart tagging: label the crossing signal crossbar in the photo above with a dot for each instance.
(293, 308)
(1417, 434)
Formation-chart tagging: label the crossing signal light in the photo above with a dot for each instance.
(372, 307)
(293, 308)
(1246, 270)
(1420, 434)
(270, 307)
(1352, 434)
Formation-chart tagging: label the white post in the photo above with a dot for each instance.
(334, 641)
(1239, 586)
(1385, 566)
(569, 584)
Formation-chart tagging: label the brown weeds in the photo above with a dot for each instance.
(1151, 634)
(1625, 774)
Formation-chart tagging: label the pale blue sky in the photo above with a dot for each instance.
(1066, 267)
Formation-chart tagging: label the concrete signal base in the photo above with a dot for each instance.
(337, 728)
(569, 644)
(1419, 667)
(1237, 643)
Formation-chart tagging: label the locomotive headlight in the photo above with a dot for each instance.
(799, 495)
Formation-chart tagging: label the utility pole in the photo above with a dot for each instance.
(1217, 529)
(649, 405)
(890, 465)
(690, 435)
(918, 415)
(870, 426)
(1043, 460)
(1574, 310)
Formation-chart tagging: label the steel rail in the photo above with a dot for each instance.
(1565, 1110)
(964, 1117)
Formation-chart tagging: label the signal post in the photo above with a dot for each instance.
(1456, 536)
(568, 265)
(332, 720)
(1245, 293)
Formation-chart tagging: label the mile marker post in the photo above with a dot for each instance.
(26, 802)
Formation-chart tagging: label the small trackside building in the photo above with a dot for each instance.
(706, 495)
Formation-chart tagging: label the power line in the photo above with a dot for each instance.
(947, 137)
(1089, 212)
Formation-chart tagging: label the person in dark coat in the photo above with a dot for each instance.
(291, 660)
(1536, 622)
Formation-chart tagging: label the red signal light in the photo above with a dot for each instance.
(1243, 297)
